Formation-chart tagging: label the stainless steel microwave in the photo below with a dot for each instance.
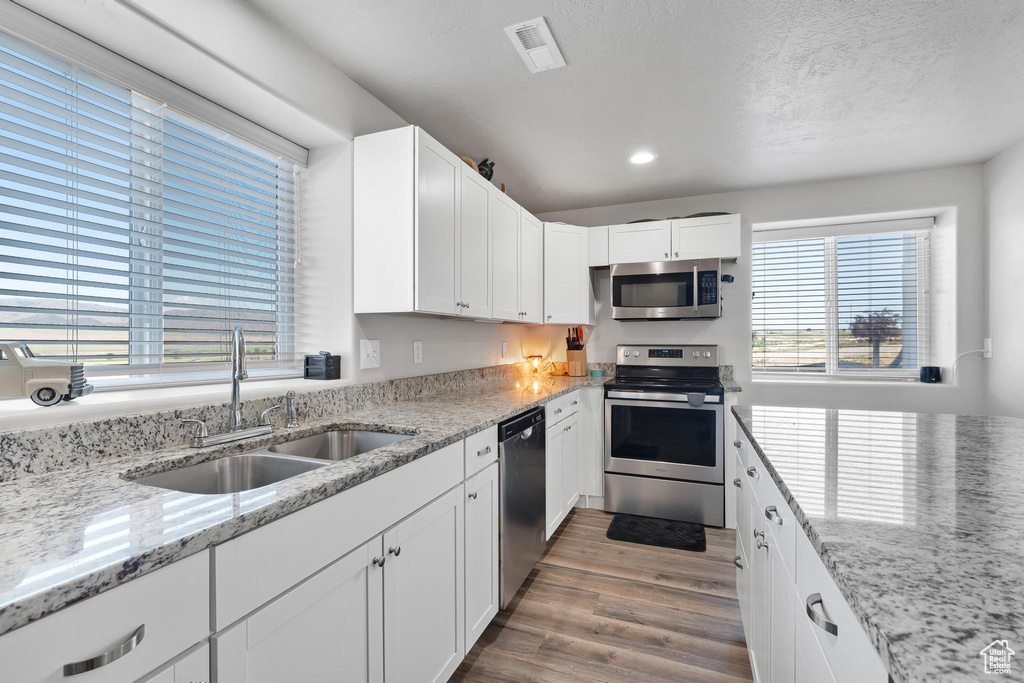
(666, 290)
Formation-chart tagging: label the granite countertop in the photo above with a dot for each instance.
(919, 518)
(68, 535)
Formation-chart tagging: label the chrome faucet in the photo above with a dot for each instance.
(201, 437)
(238, 373)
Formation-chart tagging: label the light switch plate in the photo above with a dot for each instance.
(417, 351)
(504, 349)
(369, 354)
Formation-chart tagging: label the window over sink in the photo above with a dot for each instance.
(842, 300)
(135, 237)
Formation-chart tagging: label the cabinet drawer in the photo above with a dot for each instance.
(172, 605)
(557, 409)
(850, 655)
(775, 514)
(481, 450)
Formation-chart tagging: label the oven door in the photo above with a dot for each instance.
(667, 439)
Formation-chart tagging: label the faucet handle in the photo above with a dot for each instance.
(265, 415)
(199, 432)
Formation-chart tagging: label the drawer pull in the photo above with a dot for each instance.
(484, 451)
(111, 655)
(818, 619)
(736, 561)
(574, 403)
(558, 411)
(752, 472)
(737, 482)
(737, 444)
(772, 513)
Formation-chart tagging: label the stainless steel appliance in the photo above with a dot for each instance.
(521, 520)
(665, 434)
(666, 290)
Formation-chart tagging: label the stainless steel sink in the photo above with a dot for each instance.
(337, 445)
(232, 474)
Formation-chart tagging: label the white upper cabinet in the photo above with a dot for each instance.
(473, 245)
(438, 190)
(707, 237)
(505, 258)
(598, 240)
(566, 274)
(640, 242)
(531, 268)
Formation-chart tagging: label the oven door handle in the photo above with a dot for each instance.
(658, 396)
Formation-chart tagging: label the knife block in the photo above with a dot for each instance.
(577, 361)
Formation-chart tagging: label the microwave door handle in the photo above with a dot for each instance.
(696, 290)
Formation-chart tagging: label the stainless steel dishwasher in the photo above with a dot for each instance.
(521, 476)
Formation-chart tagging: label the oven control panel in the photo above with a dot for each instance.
(680, 355)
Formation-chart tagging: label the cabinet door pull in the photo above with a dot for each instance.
(574, 403)
(112, 655)
(666, 254)
(737, 482)
(473, 495)
(736, 561)
(396, 551)
(820, 620)
(379, 561)
(484, 451)
(737, 444)
(558, 411)
(752, 472)
(772, 514)
(762, 543)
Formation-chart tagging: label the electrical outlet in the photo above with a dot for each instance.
(369, 354)
(417, 351)
(504, 349)
(987, 346)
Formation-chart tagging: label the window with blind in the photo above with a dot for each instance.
(133, 237)
(842, 300)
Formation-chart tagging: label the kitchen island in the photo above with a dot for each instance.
(919, 520)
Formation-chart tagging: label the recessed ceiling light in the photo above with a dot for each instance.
(642, 157)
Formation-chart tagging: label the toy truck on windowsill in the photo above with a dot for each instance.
(46, 382)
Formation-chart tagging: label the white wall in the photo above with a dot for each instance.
(325, 297)
(1004, 205)
(953, 193)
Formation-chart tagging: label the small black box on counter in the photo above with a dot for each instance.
(322, 366)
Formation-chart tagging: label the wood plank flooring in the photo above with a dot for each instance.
(595, 609)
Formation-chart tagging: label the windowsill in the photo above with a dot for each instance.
(831, 380)
(21, 413)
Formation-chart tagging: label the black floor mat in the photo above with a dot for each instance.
(665, 533)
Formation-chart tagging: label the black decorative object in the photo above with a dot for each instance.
(664, 533)
(322, 366)
(931, 374)
(486, 168)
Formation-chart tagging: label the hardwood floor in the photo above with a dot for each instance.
(595, 609)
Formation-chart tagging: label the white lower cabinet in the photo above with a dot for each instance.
(327, 628)
(481, 552)
(797, 624)
(562, 465)
(119, 635)
(191, 667)
(424, 621)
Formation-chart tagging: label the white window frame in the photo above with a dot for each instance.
(831, 233)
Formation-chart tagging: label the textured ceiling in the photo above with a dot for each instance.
(730, 93)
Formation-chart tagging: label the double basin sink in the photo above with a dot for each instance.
(246, 471)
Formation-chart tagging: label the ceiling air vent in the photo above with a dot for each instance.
(536, 45)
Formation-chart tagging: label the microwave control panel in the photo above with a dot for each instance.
(707, 287)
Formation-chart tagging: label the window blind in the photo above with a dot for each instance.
(849, 299)
(133, 237)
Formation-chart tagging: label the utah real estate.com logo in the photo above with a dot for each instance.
(997, 657)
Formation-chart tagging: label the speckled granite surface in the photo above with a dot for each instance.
(69, 534)
(919, 518)
(725, 376)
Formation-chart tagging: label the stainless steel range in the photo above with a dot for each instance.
(665, 434)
